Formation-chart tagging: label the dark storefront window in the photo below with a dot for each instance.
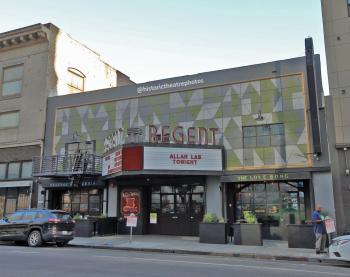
(85, 202)
(12, 199)
(178, 199)
(272, 202)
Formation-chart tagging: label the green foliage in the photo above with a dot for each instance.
(212, 218)
(78, 216)
(249, 217)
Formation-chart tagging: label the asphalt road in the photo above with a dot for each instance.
(50, 261)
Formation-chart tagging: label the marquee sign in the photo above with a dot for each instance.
(112, 163)
(173, 158)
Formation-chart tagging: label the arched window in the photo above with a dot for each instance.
(75, 80)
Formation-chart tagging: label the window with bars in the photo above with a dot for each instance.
(263, 135)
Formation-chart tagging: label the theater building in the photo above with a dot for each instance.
(249, 138)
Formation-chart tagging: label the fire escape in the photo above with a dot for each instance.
(76, 166)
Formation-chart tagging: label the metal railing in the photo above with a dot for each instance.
(67, 165)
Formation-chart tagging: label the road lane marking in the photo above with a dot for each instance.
(24, 252)
(226, 265)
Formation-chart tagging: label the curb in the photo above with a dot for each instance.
(325, 261)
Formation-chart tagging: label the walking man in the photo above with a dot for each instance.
(319, 230)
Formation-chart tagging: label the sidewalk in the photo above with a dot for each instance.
(273, 250)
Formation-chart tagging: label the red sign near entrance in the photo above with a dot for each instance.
(130, 202)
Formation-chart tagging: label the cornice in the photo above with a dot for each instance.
(21, 39)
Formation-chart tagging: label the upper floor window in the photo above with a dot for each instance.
(12, 80)
(9, 120)
(263, 135)
(13, 170)
(3, 171)
(16, 170)
(26, 170)
(75, 80)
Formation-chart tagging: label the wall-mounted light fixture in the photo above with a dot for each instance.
(259, 116)
(347, 170)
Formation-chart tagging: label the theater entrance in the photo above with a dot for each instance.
(176, 209)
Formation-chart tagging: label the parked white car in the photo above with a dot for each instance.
(340, 248)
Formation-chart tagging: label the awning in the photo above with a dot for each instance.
(14, 184)
(53, 183)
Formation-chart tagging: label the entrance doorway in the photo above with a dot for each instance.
(275, 204)
(179, 209)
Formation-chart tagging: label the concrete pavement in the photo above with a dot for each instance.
(50, 261)
(273, 250)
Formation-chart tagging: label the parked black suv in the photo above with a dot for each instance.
(37, 226)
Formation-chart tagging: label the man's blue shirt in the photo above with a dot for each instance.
(319, 227)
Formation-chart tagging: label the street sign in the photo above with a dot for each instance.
(131, 221)
(330, 226)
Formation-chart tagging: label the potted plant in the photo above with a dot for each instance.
(213, 229)
(247, 231)
(302, 235)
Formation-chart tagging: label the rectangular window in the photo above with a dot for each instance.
(3, 171)
(12, 80)
(9, 120)
(26, 170)
(11, 200)
(13, 170)
(23, 198)
(82, 202)
(263, 135)
(2, 201)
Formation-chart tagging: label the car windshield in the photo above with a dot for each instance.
(62, 216)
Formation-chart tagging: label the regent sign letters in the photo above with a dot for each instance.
(166, 134)
(181, 135)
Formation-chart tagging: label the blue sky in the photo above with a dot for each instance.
(156, 39)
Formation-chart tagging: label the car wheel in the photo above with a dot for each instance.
(34, 239)
(62, 244)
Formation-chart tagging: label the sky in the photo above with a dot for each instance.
(156, 39)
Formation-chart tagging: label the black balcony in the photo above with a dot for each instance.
(67, 165)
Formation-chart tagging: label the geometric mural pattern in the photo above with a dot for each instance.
(227, 107)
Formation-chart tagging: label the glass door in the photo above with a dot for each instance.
(179, 209)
